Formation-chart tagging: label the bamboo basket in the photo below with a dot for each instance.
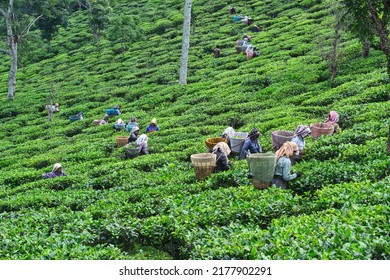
(203, 164)
(211, 142)
(121, 141)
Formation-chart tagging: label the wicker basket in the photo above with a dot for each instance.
(122, 141)
(132, 151)
(211, 142)
(203, 164)
(318, 129)
(279, 137)
(260, 185)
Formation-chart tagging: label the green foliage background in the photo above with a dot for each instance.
(152, 207)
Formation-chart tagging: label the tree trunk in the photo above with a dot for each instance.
(12, 42)
(186, 42)
(335, 46)
(380, 23)
(13, 50)
(388, 143)
(366, 48)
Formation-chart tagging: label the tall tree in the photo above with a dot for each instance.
(333, 54)
(186, 42)
(123, 29)
(369, 15)
(19, 18)
(100, 11)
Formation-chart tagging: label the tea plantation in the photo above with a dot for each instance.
(152, 206)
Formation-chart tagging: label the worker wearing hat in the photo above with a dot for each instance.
(152, 126)
(56, 171)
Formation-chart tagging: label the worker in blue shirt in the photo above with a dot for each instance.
(251, 144)
(152, 126)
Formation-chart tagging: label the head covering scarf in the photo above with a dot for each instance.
(153, 121)
(287, 149)
(142, 140)
(119, 121)
(134, 129)
(223, 147)
(302, 130)
(253, 134)
(56, 167)
(332, 118)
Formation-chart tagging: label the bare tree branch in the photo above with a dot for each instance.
(4, 51)
(2, 12)
(27, 29)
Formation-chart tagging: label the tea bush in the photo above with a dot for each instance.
(152, 206)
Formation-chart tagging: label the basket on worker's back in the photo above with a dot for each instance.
(237, 140)
(204, 164)
(211, 142)
(261, 168)
(119, 126)
(96, 122)
(318, 129)
(121, 141)
(279, 137)
(73, 118)
(132, 151)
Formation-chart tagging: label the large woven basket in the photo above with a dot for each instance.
(132, 151)
(318, 129)
(279, 137)
(203, 164)
(211, 142)
(121, 141)
(237, 140)
(260, 185)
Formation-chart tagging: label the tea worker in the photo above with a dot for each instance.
(132, 123)
(56, 107)
(51, 109)
(299, 136)
(247, 37)
(113, 111)
(119, 124)
(142, 142)
(227, 133)
(217, 52)
(251, 144)
(283, 165)
(152, 126)
(134, 134)
(222, 150)
(332, 119)
(104, 120)
(232, 10)
(56, 172)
